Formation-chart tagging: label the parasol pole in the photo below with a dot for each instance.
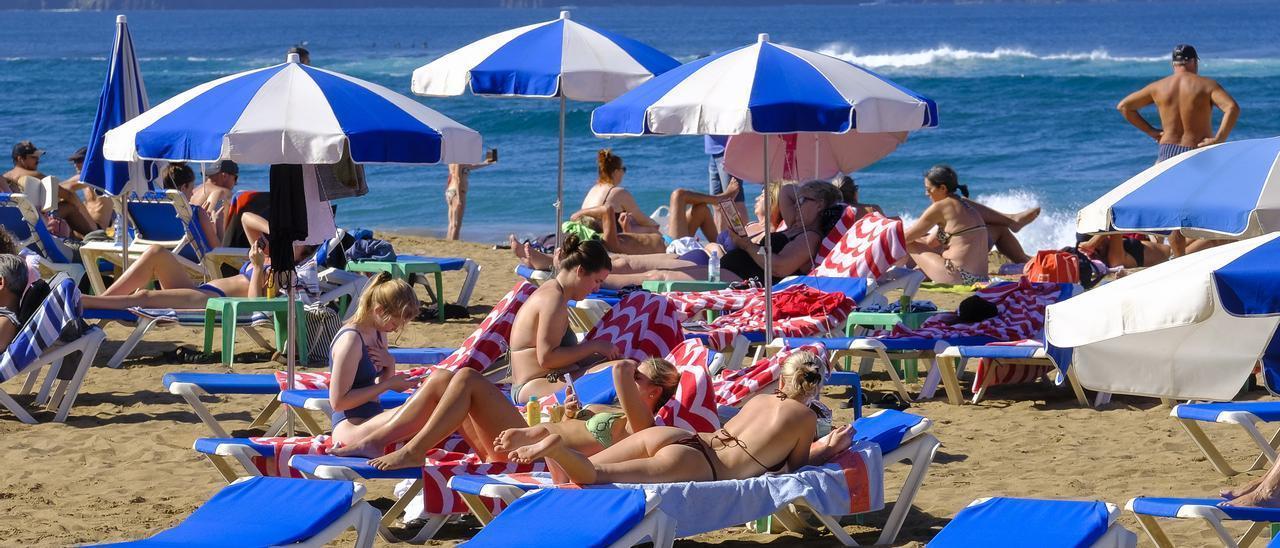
(560, 181)
(768, 251)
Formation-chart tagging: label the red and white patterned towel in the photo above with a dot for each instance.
(693, 407)
(1009, 373)
(286, 447)
(1021, 307)
(734, 386)
(478, 351)
(866, 249)
(641, 325)
(438, 499)
(750, 318)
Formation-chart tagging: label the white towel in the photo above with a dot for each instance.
(320, 225)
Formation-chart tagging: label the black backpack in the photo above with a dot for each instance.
(1089, 274)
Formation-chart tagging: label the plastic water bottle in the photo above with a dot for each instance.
(533, 411)
(713, 267)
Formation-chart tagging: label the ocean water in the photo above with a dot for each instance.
(1026, 93)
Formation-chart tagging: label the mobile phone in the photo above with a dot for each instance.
(492, 156)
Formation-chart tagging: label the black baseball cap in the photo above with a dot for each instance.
(25, 148)
(79, 155)
(1184, 52)
(222, 166)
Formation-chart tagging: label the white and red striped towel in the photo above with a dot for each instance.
(693, 407)
(1021, 307)
(867, 248)
(478, 351)
(1009, 373)
(641, 325)
(734, 386)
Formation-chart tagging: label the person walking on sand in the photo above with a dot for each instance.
(1185, 102)
(455, 195)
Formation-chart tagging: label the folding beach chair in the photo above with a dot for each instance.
(39, 343)
(1246, 415)
(20, 218)
(301, 513)
(616, 518)
(1211, 510)
(1009, 522)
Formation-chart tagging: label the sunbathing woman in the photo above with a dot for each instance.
(608, 191)
(1126, 250)
(794, 247)
(957, 254)
(643, 388)
(603, 220)
(769, 435)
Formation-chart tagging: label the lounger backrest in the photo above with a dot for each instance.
(642, 325)
(693, 407)
(867, 248)
(489, 341)
(165, 218)
(21, 219)
(60, 308)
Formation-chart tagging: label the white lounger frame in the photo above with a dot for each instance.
(1244, 419)
(1212, 515)
(953, 363)
(63, 396)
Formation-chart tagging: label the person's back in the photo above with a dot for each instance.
(1185, 102)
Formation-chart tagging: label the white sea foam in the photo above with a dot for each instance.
(944, 53)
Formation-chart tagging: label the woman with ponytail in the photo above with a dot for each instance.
(957, 252)
(608, 191)
(770, 434)
(466, 402)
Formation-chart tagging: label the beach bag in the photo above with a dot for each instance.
(1091, 271)
(323, 324)
(1053, 266)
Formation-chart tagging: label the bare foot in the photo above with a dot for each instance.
(732, 189)
(363, 449)
(1260, 498)
(514, 438)
(1024, 218)
(521, 250)
(530, 453)
(395, 460)
(1242, 490)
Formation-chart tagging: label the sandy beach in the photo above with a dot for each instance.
(122, 466)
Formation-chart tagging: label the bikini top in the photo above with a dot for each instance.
(944, 237)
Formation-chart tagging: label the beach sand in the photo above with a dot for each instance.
(122, 466)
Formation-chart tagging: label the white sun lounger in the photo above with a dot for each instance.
(1147, 509)
(1246, 415)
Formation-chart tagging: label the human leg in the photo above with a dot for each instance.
(455, 199)
(468, 395)
(179, 298)
(618, 281)
(931, 263)
(573, 432)
(1264, 492)
(156, 263)
(368, 439)
(72, 210)
(654, 458)
(1007, 244)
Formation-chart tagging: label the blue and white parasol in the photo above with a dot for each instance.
(1225, 191)
(1191, 328)
(293, 114)
(561, 59)
(123, 98)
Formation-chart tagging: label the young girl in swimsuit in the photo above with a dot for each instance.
(957, 253)
(361, 367)
(467, 402)
(643, 388)
(770, 434)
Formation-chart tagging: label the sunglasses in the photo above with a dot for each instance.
(623, 168)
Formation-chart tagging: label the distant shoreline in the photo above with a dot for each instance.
(183, 5)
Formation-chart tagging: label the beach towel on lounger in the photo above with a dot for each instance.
(988, 375)
(478, 351)
(867, 249)
(60, 309)
(734, 386)
(642, 325)
(799, 311)
(693, 407)
(1020, 315)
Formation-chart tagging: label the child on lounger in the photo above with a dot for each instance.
(643, 388)
(771, 434)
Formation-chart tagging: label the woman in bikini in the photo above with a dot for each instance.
(608, 191)
(643, 388)
(541, 344)
(957, 253)
(1126, 250)
(770, 434)
(794, 247)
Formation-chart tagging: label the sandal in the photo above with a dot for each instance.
(186, 354)
(891, 401)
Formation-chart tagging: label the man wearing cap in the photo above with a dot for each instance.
(96, 203)
(26, 163)
(1185, 102)
(214, 193)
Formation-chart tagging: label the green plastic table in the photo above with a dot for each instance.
(405, 269)
(912, 320)
(231, 307)
(667, 286)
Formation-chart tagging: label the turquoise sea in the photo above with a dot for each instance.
(1026, 93)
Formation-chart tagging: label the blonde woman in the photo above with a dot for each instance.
(771, 434)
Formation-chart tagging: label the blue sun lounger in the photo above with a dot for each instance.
(1147, 509)
(301, 513)
(902, 437)
(601, 517)
(1002, 522)
(1247, 415)
(192, 386)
